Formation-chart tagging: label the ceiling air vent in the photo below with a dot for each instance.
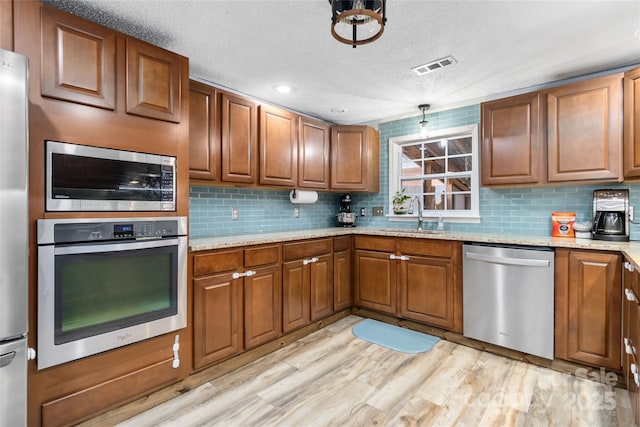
(421, 70)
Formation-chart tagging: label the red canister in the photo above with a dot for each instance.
(562, 224)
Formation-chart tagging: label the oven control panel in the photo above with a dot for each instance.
(91, 230)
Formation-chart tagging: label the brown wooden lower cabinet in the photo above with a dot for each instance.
(342, 273)
(217, 318)
(418, 279)
(262, 312)
(426, 289)
(588, 307)
(307, 282)
(236, 306)
(375, 281)
(631, 335)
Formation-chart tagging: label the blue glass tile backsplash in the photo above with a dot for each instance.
(514, 211)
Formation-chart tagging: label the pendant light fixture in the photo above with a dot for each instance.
(424, 132)
(357, 22)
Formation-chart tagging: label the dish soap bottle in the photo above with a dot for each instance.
(440, 223)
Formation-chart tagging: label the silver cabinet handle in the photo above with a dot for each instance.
(629, 266)
(399, 257)
(628, 293)
(247, 273)
(392, 256)
(627, 346)
(508, 261)
(309, 261)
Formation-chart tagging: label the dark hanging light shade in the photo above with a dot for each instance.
(357, 22)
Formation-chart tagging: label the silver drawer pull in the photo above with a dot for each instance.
(628, 293)
(247, 273)
(309, 261)
(629, 266)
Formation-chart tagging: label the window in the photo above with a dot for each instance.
(442, 170)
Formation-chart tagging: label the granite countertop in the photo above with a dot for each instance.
(630, 249)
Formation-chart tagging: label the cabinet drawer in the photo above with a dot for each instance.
(381, 244)
(216, 262)
(341, 243)
(254, 257)
(426, 247)
(307, 249)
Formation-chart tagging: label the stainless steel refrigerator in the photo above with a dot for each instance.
(14, 238)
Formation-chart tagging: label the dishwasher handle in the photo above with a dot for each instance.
(526, 262)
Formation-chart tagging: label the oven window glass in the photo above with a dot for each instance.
(101, 292)
(88, 178)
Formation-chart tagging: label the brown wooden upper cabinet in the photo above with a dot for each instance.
(313, 154)
(512, 141)
(78, 60)
(632, 123)
(585, 130)
(239, 142)
(79, 64)
(278, 147)
(153, 81)
(579, 123)
(355, 158)
(204, 132)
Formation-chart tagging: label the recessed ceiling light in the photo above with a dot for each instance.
(339, 110)
(283, 88)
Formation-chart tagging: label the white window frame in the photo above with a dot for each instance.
(395, 152)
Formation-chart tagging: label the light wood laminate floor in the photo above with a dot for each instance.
(331, 378)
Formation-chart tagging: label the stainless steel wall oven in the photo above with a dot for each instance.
(105, 283)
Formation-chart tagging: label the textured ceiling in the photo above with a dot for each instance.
(500, 47)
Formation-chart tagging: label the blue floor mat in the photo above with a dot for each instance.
(393, 337)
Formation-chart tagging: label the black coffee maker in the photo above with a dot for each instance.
(611, 215)
(346, 217)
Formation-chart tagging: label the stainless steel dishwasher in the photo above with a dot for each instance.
(508, 294)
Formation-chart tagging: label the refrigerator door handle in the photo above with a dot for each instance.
(7, 358)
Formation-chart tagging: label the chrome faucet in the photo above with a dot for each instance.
(420, 219)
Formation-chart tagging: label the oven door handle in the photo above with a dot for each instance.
(115, 247)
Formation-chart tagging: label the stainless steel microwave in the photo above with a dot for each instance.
(84, 178)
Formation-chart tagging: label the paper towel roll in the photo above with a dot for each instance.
(303, 196)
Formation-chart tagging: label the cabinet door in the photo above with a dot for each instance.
(355, 158)
(204, 132)
(632, 123)
(6, 25)
(427, 290)
(592, 308)
(262, 306)
(154, 77)
(295, 295)
(375, 281)
(313, 154)
(78, 60)
(278, 147)
(217, 318)
(239, 144)
(321, 287)
(342, 280)
(585, 130)
(512, 145)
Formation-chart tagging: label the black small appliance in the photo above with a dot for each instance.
(611, 215)
(346, 217)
